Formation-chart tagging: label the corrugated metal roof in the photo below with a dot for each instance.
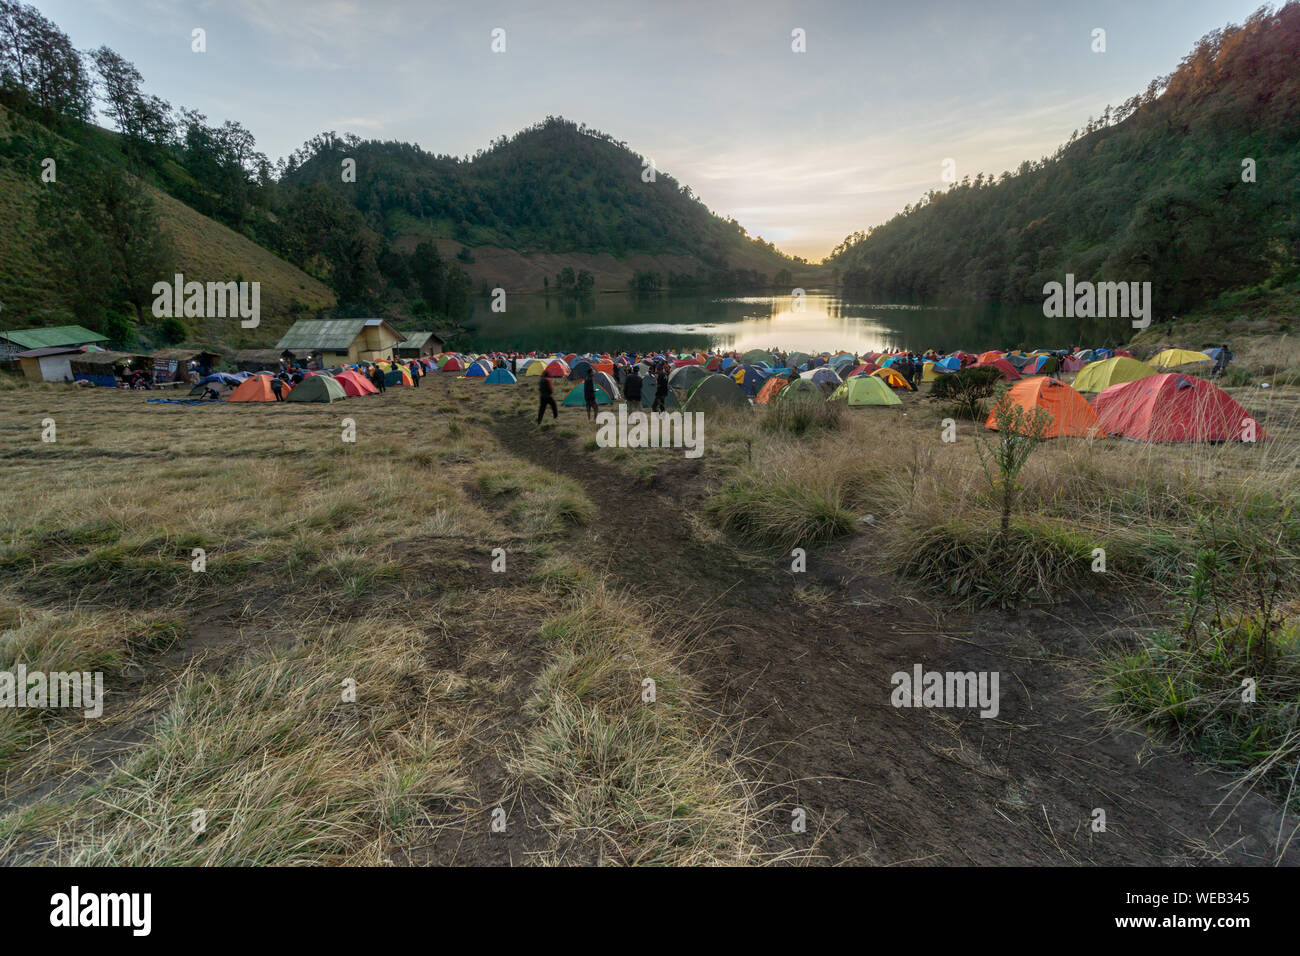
(53, 336)
(52, 350)
(415, 340)
(333, 334)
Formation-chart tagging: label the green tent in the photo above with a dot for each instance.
(865, 390)
(687, 377)
(716, 390)
(575, 396)
(756, 357)
(802, 390)
(317, 388)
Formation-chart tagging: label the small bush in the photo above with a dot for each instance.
(802, 417)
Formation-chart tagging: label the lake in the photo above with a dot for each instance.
(824, 323)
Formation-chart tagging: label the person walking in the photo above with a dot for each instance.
(277, 386)
(545, 398)
(1221, 361)
(416, 374)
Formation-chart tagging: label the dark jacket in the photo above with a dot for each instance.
(633, 387)
(544, 387)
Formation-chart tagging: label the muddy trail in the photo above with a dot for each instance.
(803, 664)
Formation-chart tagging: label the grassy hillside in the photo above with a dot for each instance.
(205, 249)
(1191, 185)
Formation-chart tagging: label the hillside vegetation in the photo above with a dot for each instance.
(1191, 185)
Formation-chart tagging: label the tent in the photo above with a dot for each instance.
(755, 356)
(606, 381)
(557, 368)
(771, 389)
(452, 364)
(804, 390)
(866, 368)
(1009, 372)
(867, 390)
(1099, 376)
(578, 370)
(648, 395)
(686, 376)
(1177, 358)
(989, 357)
(892, 379)
(1172, 408)
(318, 388)
(716, 390)
(355, 384)
(575, 396)
(823, 375)
(750, 378)
(401, 375)
(1070, 411)
(500, 376)
(258, 389)
(477, 369)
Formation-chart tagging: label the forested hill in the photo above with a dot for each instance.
(557, 187)
(1161, 188)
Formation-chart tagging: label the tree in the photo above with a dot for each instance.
(38, 57)
(1019, 432)
(104, 238)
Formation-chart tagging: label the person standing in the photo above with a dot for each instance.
(589, 394)
(661, 390)
(632, 387)
(277, 386)
(545, 398)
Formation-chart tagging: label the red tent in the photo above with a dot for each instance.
(1009, 371)
(1173, 407)
(355, 383)
(454, 365)
(556, 368)
(866, 368)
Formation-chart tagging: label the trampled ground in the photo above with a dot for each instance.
(520, 689)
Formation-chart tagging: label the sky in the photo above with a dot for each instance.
(802, 148)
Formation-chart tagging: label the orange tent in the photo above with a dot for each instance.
(771, 388)
(893, 379)
(257, 389)
(990, 356)
(1070, 411)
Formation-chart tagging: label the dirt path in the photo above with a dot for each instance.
(805, 661)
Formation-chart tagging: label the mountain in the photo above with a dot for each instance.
(1193, 185)
(553, 194)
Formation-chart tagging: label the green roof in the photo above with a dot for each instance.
(415, 340)
(334, 334)
(53, 336)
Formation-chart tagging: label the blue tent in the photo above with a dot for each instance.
(951, 362)
(500, 376)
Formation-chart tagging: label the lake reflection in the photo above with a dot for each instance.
(818, 323)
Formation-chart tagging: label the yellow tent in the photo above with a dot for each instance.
(1176, 358)
(1099, 376)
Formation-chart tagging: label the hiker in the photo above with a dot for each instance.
(378, 379)
(415, 374)
(545, 397)
(1221, 362)
(211, 394)
(1051, 366)
(632, 387)
(661, 390)
(277, 387)
(589, 394)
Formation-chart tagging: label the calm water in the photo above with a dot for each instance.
(826, 323)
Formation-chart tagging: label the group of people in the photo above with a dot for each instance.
(629, 378)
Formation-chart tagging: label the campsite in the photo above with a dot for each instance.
(318, 549)
(812, 437)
